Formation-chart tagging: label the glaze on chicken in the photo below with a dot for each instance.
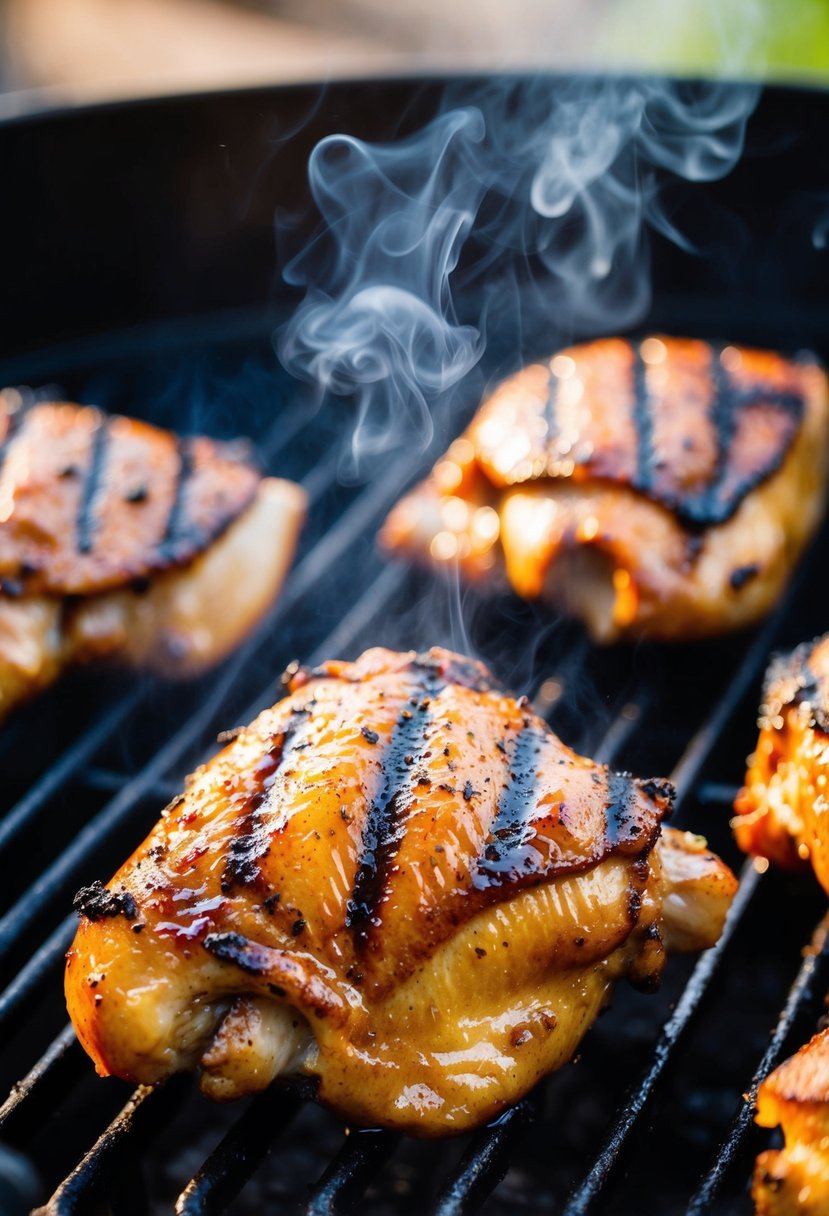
(397, 880)
(662, 488)
(782, 808)
(794, 1181)
(120, 540)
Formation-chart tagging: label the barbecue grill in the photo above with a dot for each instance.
(138, 255)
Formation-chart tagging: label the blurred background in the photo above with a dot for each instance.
(64, 51)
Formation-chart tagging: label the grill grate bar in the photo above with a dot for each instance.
(231, 1163)
(58, 876)
(685, 773)
(143, 1113)
(345, 1179)
(637, 1099)
(22, 989)
(812, 972)
(370, 604)
(695, 755)
(110, 781)
(32, 1098)
(64, 768)
(483, 1165)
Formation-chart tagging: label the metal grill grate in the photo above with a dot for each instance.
(691, 712)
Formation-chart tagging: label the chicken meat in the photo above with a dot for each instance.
(782, 808)
(398, 881)
(794, 1180)
(662, 488)
(119, 540)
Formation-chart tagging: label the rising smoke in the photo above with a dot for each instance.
(529, 205)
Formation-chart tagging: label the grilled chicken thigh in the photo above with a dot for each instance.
(119, 540)
(794, 1181)
(397, 880)
(663, 488)
(782, 808)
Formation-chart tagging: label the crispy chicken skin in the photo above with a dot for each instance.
(658, 489)
(120, 540)
(782, 808)
(794, 1181)
(397, 880)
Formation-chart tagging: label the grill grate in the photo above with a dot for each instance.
(617, 706)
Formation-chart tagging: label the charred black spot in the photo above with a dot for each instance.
(95, 902)
(620, 810)
(743, 575)
(658, 788)
(233, 948)
(242, 865)
(371, 736)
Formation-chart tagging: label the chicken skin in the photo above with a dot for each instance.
(782, 808)
(119, 540)
(398, 881)
(794, 1181)
(662, 488)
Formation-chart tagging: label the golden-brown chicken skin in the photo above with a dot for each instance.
(782, 808)
(662, 488)
(397, 880)
(794, 1181)
(121, 540)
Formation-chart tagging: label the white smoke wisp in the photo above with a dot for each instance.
(533, 197)
(383, 325)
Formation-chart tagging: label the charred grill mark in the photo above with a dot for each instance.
(723, 420)
(87, 521)
(14, 425)
(178, 528)
(251, 843)
(551, 407)
(712, 506)
(506, 852)
(455, 670)
(642, 421)
(621, 823)
(382, 831)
